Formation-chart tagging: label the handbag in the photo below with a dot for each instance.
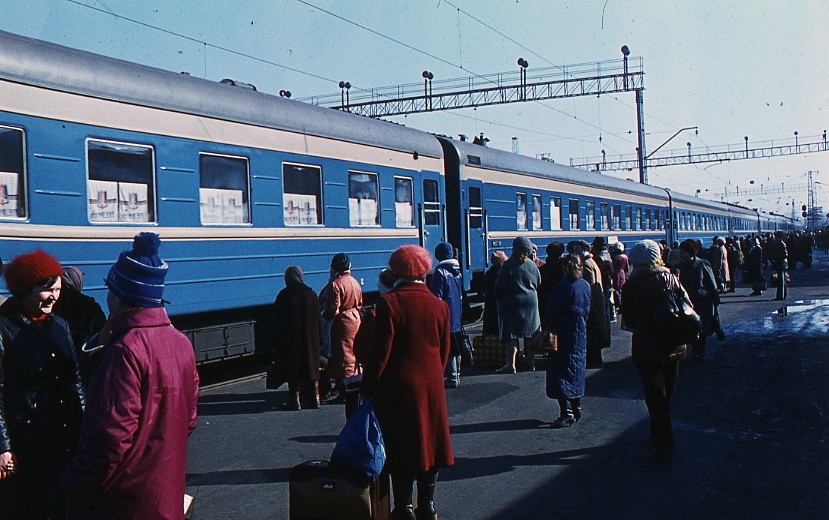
(360, 443)
(674, 318)
(542, 340)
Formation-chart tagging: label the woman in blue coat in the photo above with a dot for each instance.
(567, 310)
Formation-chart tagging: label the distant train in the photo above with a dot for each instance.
(241, 184)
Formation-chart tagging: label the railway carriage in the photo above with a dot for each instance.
(240, 184)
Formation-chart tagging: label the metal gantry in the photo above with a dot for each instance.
(709, 154)
(587, 79)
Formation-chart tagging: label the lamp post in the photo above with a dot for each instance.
(427, 88)
(344, 86)
(746, 138)
(522, 77)
(625, 53)
(796, 145)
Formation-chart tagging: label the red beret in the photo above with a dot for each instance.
(26, 270)
(410, 262)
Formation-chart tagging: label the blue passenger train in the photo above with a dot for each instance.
(240, 184)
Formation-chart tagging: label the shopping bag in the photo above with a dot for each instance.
(360, 444)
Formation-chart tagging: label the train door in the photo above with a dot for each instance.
(475, 256)
(432, 209)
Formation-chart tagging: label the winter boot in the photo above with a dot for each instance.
(293, 402)
(402, 487)
(315, 395)
(426, 496)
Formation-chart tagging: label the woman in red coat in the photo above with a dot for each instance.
(404, 374)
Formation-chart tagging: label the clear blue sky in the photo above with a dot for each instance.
(731, 68)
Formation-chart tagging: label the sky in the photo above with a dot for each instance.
(732, 69)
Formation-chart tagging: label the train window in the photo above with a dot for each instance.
(12, 173)
(403, 202)
(648, 219)
(589, 214)
(121, 184)
(302, 188)
(637, 217)
(537, 212)
(223, 189)
(574, 213)
(363, 199)
(431, 202)
(604, 213)
(521, 211)
(616, 217)
(555, 213)
(476, 210)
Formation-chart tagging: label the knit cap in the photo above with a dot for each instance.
(644, 253)
(26, 270)
(522, 245)
(138, 275)
(444, 251)
(340, 263)
(410, 262)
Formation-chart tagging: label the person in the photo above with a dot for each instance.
(296, 329)
(141, 405)
(40, 391)
(82, 313)
(341, 303)
(567, 310)
(601, 254)
(621, 266)
(698, 280)
(516, 291)
(534, 257)
(735, 261)
(447, 285)
(551, 273)
(404, 376)
(490, 318)
(656, 362)
(362, 341)
(780, 264)
(754, 268)
(598, 324)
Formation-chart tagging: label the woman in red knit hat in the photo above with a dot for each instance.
(404, 374)
(40, 386)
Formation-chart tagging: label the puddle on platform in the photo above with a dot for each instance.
(804, 318)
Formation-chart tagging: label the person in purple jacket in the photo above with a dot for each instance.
(141, 402)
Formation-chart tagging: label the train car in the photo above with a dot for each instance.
(494, 196)
(239, 184)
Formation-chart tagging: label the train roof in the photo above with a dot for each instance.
(477, 155)
(36, 62)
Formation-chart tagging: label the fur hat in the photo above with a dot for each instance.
(410, 262)
(340, 263)
(689, 246)
(644, 252)
(522, 245)
(444, 251)
(28, 269)
(138, 275)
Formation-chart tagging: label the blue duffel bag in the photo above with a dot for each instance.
(360, 444)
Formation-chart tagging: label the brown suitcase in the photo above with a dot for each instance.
(318, 490)
(489, 352)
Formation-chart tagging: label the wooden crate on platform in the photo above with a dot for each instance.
(489, 351)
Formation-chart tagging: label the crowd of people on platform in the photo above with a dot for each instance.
(91, 403)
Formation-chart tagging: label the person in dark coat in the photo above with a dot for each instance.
(516, 291)
(490, 318)
(598, 324)
(404, 374)
(780, 263)
(141, 405)
(567, 310)
(551, 273)
(656, 362)
(296, 328)
(698, 280)
(83, 315)
(41, 397)
(754, 268)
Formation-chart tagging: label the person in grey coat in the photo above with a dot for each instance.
(567, 310)
(698, 279)
(516, 293)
